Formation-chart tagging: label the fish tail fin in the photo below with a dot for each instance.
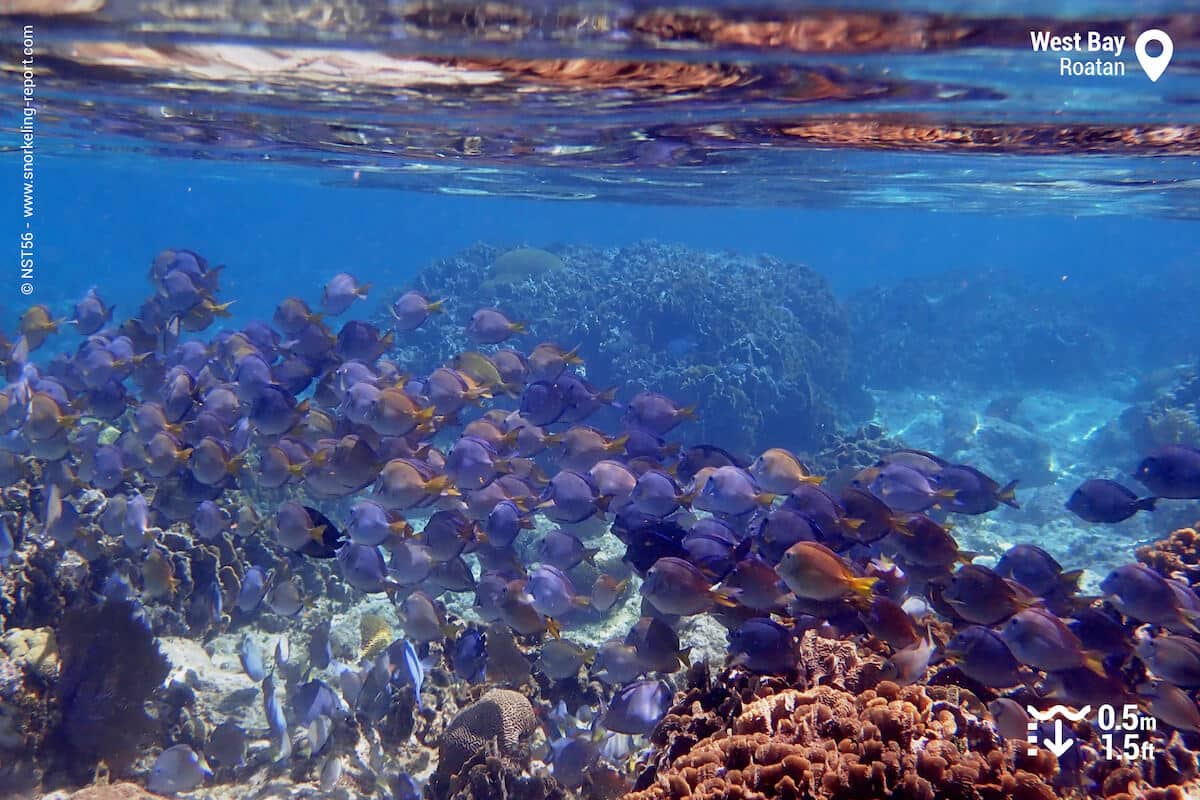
(581, 601)
(672, 449)
(236, 464)
(687, 498)
(685, 656)
(864, 587)
(388, 339)
(1095, 663)
(687, 412)
(765, 499)
(518, 327)
(553, 628)
(436, 307)
(364, 290)
(609, 396)
(946, 494)
(1146, 504)
(317, 533)
(853, 523)
(589, 555)
(966, 556)
(723, 597)
(1008, 495)
(183, 454)
(616, 445)
(1070, 580)
(572, 356)
(603, 502)
(425, 414)
(815, 480)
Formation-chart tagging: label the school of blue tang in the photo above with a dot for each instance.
(419, 487)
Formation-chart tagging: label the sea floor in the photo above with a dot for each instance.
(1050, 442)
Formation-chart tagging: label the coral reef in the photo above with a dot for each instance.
(111, 664)
(1178, 554)
(837, 733)
(760, 345)
(867, 739)
(495, 726)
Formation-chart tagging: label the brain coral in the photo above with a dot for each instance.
(500, 715)
(760, 345)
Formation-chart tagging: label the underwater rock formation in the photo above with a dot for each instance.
(760, 345)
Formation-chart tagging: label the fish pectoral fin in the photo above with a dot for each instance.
(864, 587)
(723, 597)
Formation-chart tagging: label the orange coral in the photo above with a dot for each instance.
(1179, 552)
(752, 738)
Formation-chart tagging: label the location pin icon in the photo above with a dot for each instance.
(1154, 66)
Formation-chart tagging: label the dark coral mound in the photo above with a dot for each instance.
(760, 345)
(111, 666)
(835, 730)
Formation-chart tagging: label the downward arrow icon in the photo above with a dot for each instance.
(1058, 745)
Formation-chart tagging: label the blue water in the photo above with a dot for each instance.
(101, 219)
(1003, 273)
